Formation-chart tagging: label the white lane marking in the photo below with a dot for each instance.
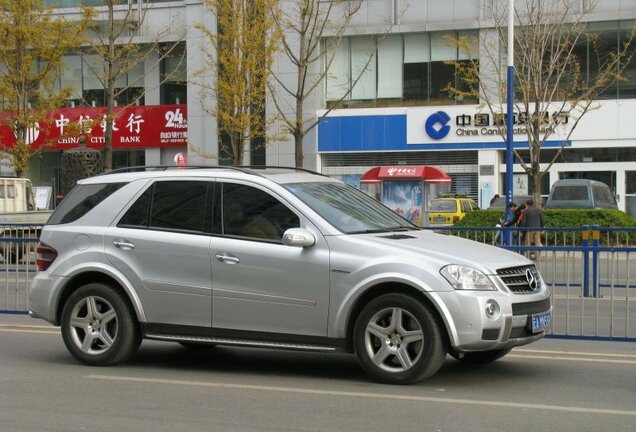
(574, 353)
(365, 395)
(572, 359)
(18, 328)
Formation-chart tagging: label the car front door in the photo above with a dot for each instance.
(258, 283)
(161, 246)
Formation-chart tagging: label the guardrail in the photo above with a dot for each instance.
(591, 272)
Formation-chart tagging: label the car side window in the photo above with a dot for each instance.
(81, 200)
(170, 205)
(466, 206)
(250, 212)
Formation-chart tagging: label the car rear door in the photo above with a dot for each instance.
(162, 246)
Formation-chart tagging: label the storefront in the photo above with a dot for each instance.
(465, 142)
(142, 135)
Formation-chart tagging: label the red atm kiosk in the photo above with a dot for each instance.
(405, 189)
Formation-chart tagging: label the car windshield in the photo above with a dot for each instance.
(348, 209)
(444, 206)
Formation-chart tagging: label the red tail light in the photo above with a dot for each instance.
(46, 256)
(455, 219)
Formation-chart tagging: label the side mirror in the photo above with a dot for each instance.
(298, 237)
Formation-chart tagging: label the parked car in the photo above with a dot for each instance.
(580, 193)
(500, 202)
(274, 258)
(450, 209)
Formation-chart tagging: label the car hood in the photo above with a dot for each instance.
(443, 249)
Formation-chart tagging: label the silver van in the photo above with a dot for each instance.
(580, 194)
(274, 258)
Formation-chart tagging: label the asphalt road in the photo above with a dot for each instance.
(552, 385)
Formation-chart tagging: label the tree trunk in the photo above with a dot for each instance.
(298, 148)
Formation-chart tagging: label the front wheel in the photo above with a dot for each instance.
(98, 326)
(398, 339)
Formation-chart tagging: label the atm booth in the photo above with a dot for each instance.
(407, 190)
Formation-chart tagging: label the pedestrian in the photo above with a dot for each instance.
(533, 218)
(494, 198)
(514, 219)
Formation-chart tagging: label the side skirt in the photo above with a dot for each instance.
(215, 336)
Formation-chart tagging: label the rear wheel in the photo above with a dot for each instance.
(481, 357)
(398, 340)
(98, 326)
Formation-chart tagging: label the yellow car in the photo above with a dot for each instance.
(449, 210)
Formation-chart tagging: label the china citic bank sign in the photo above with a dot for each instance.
(134, 127)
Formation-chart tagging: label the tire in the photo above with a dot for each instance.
(98, 326)
(398, 340)
(481, 357)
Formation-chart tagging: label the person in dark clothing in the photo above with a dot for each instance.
(515, 218)
(533, 218)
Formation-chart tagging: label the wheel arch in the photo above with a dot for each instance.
(95, 276)
(391, 288)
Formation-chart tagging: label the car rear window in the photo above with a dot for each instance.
(80, 200)
(444, 206)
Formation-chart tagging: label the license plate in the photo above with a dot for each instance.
(439, 219)
(540, 322)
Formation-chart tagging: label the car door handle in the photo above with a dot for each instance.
(123, 245)
(227, 258)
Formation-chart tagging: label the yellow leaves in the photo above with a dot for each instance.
(32, 45)
(241, 51)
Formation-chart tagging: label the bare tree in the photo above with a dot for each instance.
(553, 90)
(239, 56)
(117, 41)
(303, 24)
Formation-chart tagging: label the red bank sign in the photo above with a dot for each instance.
(134, 127)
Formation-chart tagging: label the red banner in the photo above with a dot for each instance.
(134, 127)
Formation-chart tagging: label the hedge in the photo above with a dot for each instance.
(564, 218)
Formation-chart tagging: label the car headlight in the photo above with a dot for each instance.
(466, 278)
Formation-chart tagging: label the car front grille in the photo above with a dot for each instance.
(520, 280)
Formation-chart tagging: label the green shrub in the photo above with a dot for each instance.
(563, 218)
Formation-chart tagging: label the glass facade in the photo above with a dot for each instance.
(174, 77)
(630, 192)
(396, 70)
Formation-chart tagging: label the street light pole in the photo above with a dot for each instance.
(510, 112)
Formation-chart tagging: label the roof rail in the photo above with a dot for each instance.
(248, 169)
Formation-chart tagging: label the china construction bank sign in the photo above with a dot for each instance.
(475, 124)
(133, 127)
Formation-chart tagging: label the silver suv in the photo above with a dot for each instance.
(278, 258)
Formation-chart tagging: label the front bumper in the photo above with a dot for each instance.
(472, 329)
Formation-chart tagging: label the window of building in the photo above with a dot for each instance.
(403, 69)
(174, 87)
(71, 77)
(443, 53)
(390, 67)
(630, 191)
(416, 70)
(93, 72)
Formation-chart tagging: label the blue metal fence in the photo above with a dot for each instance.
(589, 271)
